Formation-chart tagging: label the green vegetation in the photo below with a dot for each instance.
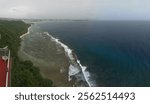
(23, 72)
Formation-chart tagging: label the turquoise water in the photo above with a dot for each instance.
(116, 53)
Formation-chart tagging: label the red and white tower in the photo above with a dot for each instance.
(5, 70)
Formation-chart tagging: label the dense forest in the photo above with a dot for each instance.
(23, 73)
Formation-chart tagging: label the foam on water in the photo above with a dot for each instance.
(72, 71)
(74, 68)
(87, 75)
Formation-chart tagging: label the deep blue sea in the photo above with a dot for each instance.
(116, 53)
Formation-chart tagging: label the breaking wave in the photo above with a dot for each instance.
(75, 68)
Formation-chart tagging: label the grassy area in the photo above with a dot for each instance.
(23, 72)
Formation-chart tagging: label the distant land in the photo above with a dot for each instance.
(36, 20)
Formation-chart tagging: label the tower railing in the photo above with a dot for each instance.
(8, 70)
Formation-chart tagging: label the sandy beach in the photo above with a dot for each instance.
(26, 33)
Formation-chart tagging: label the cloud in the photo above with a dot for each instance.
(76, 9)
(20, 11)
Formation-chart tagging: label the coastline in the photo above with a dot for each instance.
(23, 73)
(75, 67)
(57, 70)
(26, 32)
(70, 73)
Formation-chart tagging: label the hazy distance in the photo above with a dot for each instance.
(76, 9)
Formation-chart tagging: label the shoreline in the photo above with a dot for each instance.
(23, 73)
(59, 76)
(26, 32)
(75, 73)
(75, 67)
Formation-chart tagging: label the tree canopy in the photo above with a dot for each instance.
(23, 73)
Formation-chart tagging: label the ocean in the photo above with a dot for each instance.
(110, 53)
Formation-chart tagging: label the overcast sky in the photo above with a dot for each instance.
(77, 9)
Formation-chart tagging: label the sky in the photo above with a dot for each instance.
(76, 9)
